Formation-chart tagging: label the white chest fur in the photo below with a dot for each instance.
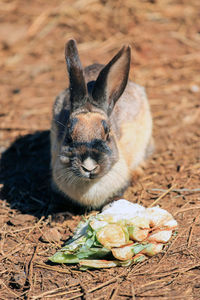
(94, 193)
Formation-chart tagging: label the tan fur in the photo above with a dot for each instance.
(135, 133)
(88, 128)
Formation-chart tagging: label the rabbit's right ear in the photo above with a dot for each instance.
(78, 89)
(112, 80)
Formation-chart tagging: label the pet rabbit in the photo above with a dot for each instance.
(101, 130)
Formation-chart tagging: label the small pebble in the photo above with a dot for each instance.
(51, 235)
(194, 88)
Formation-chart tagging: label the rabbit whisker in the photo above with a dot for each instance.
(67, 176)
(60, 123)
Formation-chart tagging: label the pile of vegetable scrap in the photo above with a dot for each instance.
(121, 235)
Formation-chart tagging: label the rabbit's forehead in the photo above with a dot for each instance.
(88, 126)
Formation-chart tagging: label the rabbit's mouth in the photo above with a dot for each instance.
(86, 176)
(90, 168)
(89, 176)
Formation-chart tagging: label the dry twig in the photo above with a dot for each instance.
(54, 291)
(161, 196)
(196, 219)
(102, 285)
(52, 268)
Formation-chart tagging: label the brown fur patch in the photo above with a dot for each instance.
(88, 127)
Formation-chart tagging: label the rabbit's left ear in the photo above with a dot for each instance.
(78, 89)
(112, 80)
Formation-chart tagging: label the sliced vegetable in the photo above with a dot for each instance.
(162, 236)
(95, 263)
(140, 221)
(63, 258)
(152, 249)
(112, 235)
(160, 217)
(139, 258)
(92, 252)
(74, 244)
(97, 224)
(123, 253)
(137, 234)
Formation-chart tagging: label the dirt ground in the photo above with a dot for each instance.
(165, 40)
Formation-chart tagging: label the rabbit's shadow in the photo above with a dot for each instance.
(26, 177)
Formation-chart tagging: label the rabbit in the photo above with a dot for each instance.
(101, 130)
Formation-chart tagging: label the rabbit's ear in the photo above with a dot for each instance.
(112, 80)
(78, 89)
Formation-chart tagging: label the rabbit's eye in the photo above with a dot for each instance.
(65, 154)
(108, 137)
(68, 139)
(64, 159)
(106, 129)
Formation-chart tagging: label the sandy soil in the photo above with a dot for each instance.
(165, 41)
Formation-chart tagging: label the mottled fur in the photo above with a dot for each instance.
(99, 136)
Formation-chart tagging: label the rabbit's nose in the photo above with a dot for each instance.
(89, 165)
